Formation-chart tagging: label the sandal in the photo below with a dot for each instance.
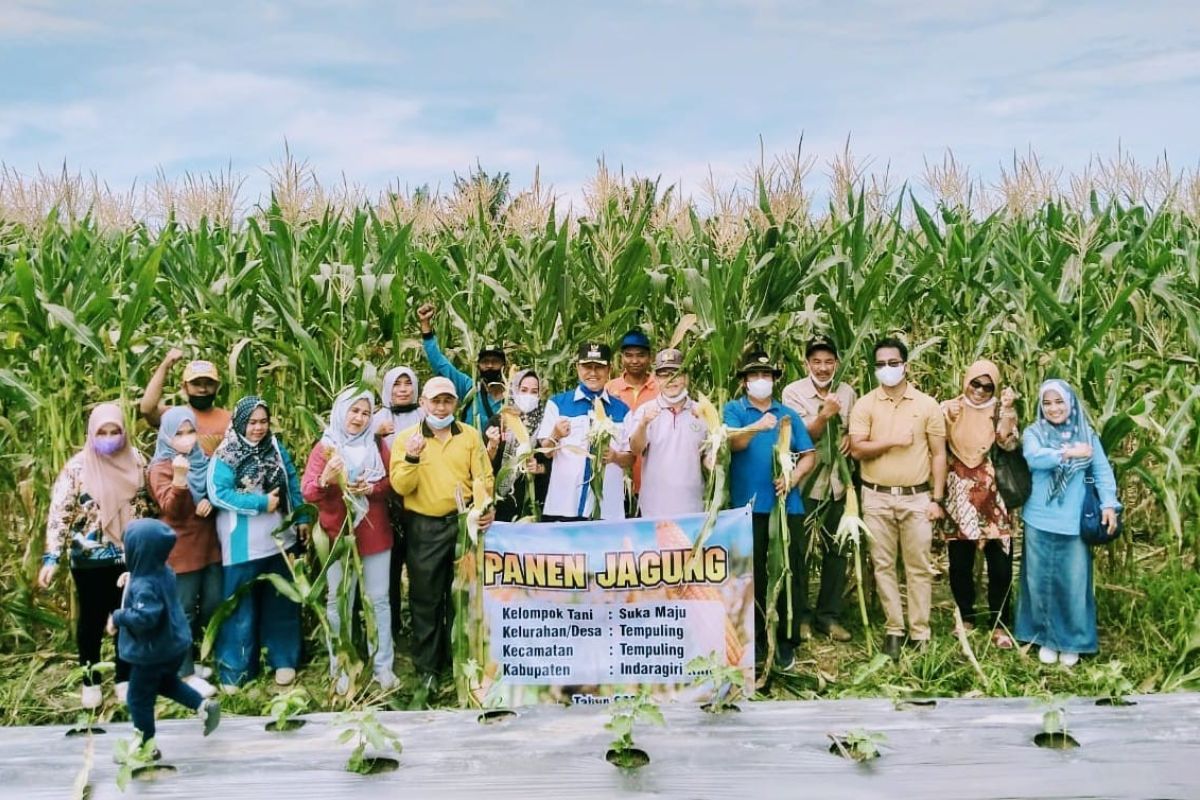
(1002, 640)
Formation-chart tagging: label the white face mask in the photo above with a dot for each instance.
(440, 423)
(760, 388)
(890, 376)
(820, 384)
(525, 402)
(672, 399)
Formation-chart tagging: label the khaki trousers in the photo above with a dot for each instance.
(899, 527)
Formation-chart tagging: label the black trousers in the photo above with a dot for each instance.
(97, 595)
(399, 519)
(798, 545)
(147, 682)
(430, 561)
(553, 518)
(833, 567)
(962, 579)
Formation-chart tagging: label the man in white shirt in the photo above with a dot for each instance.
(668, 437)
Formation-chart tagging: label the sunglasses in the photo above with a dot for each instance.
(988, 388)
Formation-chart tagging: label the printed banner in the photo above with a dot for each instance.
(582, 612)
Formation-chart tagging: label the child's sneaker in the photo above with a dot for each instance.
(91, 696)
(284, 676)
(122, 688)
(203, 671)
(209, 713)
(1068, 660)
(202, 687)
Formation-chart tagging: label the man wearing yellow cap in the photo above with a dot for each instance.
(200, 383)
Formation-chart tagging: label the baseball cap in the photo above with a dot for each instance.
(668, 359)
(201, 369)
(820, 343)
(494, 349)
(594, 353)
(635, 338)
(437, 386)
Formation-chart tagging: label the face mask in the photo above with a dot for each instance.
(760, 388)
(672, 399)
(491, 375)
(184, 443)
(201, 402)
(890, 376)
(404, 408)
(107, 445)
(440, 423)
(820, 384)
(525, 403)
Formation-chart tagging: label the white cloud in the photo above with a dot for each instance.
(21, 18)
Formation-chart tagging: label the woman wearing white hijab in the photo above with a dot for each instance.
(346, 476)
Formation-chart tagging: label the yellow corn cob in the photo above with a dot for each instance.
(512, 422)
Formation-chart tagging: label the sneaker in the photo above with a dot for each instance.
(209, 713)
(203, 671)
(342, 686)
(91, 696)
(284, 676)
(1047, 655)
(229, 688)
(386, 680)
(806, 631)
(202, 687)
(785, 654)
(1068, 660)
(122, 688)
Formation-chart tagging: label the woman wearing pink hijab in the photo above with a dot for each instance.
(97, 493)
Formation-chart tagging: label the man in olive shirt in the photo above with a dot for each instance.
(898, 434)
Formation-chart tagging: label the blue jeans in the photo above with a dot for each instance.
(147, 682)
(199, 592)
(1056, 606)
(263, 618)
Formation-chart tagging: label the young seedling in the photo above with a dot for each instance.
(624, 715)
(135, 758)
(858, 745)
(1109, 682)
(283, 707)
(1054, 727)
(727, 682)
(367, 731)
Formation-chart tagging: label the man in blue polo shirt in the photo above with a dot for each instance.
(752, 482)
(564, 432)
(480, 400)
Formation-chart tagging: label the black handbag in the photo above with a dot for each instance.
(1091, 527)
(1013, 477)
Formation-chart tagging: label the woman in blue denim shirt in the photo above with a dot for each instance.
(1057, 606)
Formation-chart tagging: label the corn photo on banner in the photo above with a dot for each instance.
(583, 612)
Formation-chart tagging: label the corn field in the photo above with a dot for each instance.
(1097, 282)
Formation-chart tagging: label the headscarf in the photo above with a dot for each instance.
(256, 467)
(1076, 430)
(168, 428)
(403, 419)
(532, 420)
(112, 481)
(973, 433)
(358, 451)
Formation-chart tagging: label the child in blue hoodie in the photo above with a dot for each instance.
(155, 634)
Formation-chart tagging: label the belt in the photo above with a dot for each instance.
(897, 490)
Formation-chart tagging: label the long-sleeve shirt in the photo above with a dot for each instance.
(196, 544)
(244, 525)
(74, 521)
(374, 533)
(1052, 516)
(477, 409)
(431, 483)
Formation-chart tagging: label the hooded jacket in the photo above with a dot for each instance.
(153, 627)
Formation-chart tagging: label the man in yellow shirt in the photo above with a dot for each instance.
(898, 434)
(434, 463)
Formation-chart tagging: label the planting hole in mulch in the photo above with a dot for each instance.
(85, 731)
(378, 765)
(1056, 741)
(847, 751)
(496, 715)
(154, 772)
(627, 759)
(287, 725)
(911, 705)
(708, 707)
(1116, 702)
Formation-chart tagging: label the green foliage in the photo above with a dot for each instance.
(131, 755)
(625, 714)
(365, 730)
(859, 745)
(727, 682)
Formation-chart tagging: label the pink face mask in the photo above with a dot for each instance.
(107, 445)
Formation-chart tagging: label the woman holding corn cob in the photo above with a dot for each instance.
(504, 446)
(346, 477)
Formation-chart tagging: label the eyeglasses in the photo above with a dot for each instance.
(986, 388)
(895, 362)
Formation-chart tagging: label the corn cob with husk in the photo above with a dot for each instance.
(669, 536)
(779, 564)
(511, 421)
(852, 529)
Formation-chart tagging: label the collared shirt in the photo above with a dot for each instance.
(458, 465)
(476, 404)
(802, 396)
(752, 470)
(570, 491)
(635, 397)
(877, 416)
(672, 479)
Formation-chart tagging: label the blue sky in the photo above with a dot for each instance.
(418, 91)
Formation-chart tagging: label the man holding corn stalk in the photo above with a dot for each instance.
(482, 398)
(765, 473)
(825, 409)
(583, 431)
(435, 464)
(636, 386)
(899, 435)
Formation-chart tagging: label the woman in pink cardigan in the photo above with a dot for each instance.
(347, 476)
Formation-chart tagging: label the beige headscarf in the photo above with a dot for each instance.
(112, 481)
(972, 435)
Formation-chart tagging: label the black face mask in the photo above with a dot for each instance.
(201, 402)
(489, 376)
(404, 408)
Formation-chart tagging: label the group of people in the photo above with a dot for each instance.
(224, 489)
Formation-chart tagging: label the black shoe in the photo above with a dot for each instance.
(891, 646)
(785, 654)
